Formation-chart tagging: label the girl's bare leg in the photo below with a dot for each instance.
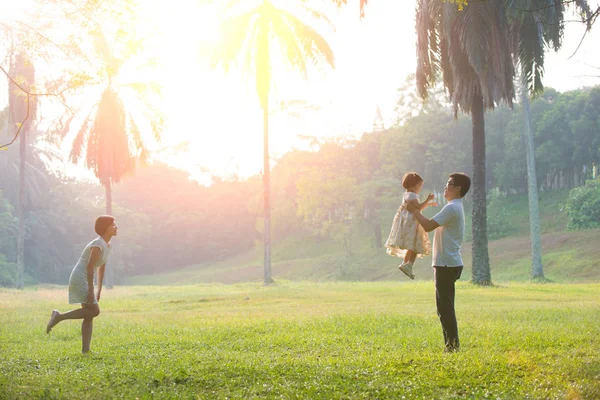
(413, 257)
(408, 256)
(87, 313)
(87, 326)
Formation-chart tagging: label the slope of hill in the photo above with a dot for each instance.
(567, 256)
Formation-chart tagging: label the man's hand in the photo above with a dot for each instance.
(430, 197)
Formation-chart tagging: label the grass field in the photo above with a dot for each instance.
(305, 340)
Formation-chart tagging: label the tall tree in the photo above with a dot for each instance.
(535, 26)
(537, 269)
(252, 31)
(22, 109)
(109, 140)
(472, 52)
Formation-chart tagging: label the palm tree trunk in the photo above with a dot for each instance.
(108, 188)
(267, 194)
(21, 212)
(109, 271)
(377, 232)
(537, 270)
(480, 259)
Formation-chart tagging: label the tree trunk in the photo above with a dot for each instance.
(537, 270)
(378, 238)
(480, 259)
(109, 271)
(267, 194)
(108, 188)
(21, 211)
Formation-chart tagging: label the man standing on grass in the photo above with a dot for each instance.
(449, 226)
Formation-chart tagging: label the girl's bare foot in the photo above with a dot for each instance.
(52, 321)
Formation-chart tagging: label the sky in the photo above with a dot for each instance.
(213, 120)
(373, 58)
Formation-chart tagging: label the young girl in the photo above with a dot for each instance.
(81, 282)
(407, 238)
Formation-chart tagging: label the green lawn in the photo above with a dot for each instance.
(306, 340)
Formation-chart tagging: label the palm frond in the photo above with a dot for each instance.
(469, 48)
(425, 75)
(319, 16)
(136, 138)
(101, 46)
(238, 29)
(312, 44)
(145, 88)
(108, 154)
(81, 138)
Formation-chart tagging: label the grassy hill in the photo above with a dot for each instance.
(567, 256)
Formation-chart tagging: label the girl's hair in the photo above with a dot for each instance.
(102, 224)
(410, 179)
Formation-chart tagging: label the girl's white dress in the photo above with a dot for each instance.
(407, 233)
(78, 284)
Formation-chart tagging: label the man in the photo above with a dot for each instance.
(449, 226)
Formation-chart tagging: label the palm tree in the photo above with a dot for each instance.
(21, 106)
(475, 50)
(533, 30)
(109, 140)
(251, 32)
(473, 54)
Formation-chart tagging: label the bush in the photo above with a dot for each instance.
(498, 217)
(8, 273)
(583, 206)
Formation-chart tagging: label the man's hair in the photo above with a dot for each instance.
(410, 179)
(462, 180)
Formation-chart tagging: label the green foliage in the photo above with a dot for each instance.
(498, 217)
(8, 273)
(583, 206)
(8, 241)
(305, 340)
(342, 195)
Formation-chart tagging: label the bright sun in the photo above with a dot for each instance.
(196, 99)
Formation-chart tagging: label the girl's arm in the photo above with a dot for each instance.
(100, 273)
(94, 257)
(420, 206)
(427, 203)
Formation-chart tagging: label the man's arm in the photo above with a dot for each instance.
(426, 223)
(443, 218)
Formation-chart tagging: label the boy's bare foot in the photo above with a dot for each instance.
(52, 322)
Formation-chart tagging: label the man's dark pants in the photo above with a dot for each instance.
(445, 277)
